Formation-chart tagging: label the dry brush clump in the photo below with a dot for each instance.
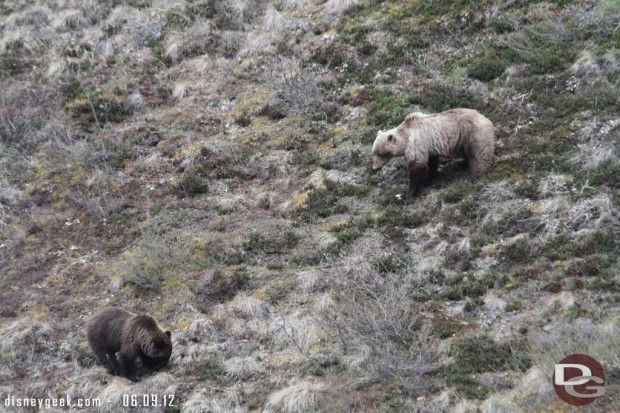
(297, 85)
(304, 396)
(375, 322)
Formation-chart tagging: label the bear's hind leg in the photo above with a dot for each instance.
(480, 159)
(104, 357)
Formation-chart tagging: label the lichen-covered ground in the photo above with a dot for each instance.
(207, 162)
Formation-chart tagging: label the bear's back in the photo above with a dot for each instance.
(107, 325)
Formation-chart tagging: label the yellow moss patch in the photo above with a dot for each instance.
(272, 291)
(251, 100)
(320, 342)
(286, 358)
(174, 280)
(300, 199)
(334, 226)
(35, 310)
(511, 284)
(184, 321)
(490, 249)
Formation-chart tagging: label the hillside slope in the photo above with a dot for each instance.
(207, 162)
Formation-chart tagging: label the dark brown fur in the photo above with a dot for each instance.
(118, 337)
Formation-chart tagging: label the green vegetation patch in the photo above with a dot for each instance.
(486, 68)
(328, 200)
(192, 183)
(462, 287)
(391, 263)
(224, 285)
(401, 217)
(276, 244)
(210, 368)
(474, 355)
(91, 109)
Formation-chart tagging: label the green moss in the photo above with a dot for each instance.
(514, 305)
(472, 303)
(331, 55)
(485, 68)
(449, 330)
(221, 162)
(400, 217)
(11, 65)
(210, 368)
(474, 355)
(575, 311)
(327, 367)
(390, 263)
(553, 286)
(554, 60)
(516, 251)
(277, 244)
(388, 110)
(439, 97)
(597, 264)
(90, 108)
(325, 201)
(275, 291)
(274, 111)
(176, 19)
(461, 287)
(346, 234)
(501, 26)
(562, 247)
(605, 174)
(192, 184)
(223, 286)
(457, 191)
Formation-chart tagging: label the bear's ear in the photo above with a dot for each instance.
(410, 118)
(168, 334)
(390, 137)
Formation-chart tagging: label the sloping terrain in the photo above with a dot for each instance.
(208, 162)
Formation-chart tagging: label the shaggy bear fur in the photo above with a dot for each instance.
(423, 139)
(118, 337)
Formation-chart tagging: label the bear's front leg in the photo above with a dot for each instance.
(418, 175)
(127, 367)
(111, 364)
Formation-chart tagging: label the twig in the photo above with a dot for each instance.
(291, 336)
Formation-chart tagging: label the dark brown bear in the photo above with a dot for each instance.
(118, 337)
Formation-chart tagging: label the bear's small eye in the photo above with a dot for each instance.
(390, 137)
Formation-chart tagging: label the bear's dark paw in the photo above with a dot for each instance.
(133, 379)
(411, 196)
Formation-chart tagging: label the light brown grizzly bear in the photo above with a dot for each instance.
(423, 139)
(113, 332)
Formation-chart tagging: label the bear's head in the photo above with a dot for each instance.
(388, 144)
(394, 142)
(154, 342)
(161, 345)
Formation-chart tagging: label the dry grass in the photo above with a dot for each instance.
(299, 397)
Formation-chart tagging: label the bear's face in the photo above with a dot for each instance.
(161, 346)
(387, 145)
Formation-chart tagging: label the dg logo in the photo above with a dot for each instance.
(579, 379)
